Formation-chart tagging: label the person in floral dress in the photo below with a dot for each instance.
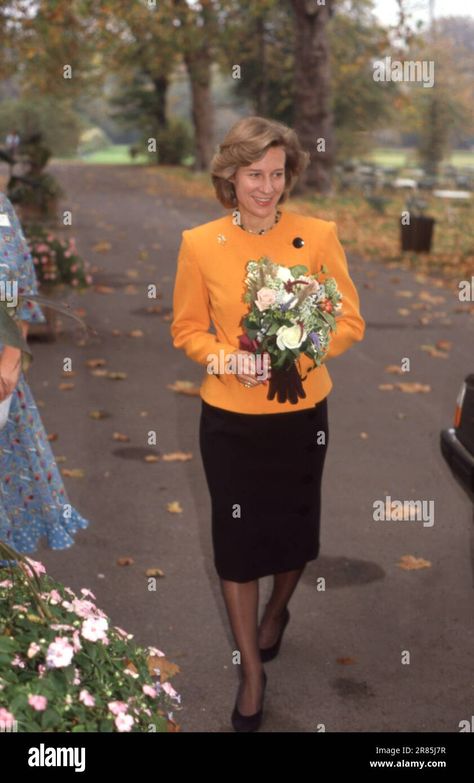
(34, 505)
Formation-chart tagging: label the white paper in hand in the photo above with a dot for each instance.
(5, 410)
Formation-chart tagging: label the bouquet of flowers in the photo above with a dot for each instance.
(291, 313)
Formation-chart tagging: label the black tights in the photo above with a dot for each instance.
(241, 600)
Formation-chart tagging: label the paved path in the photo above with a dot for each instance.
(371, 610)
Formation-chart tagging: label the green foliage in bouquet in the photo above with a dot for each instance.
(65, 668)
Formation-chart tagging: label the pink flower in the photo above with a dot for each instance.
(33, 649)
(265, 298)
(37, 567)
(59, 654)
(6, 718)
(76, 641)
(155, 651)
(17, 661)
(41, 670)
(94, 628)
(6, 583)
(87, 592)
(168, 688)
(149, 691)
(74, 267)
(124, 722)
(84, 608)
(37, 702)
(67, 254)
(131, 673)
(77, 679)
(54, 597)
(123, 633)
(86, 698)
(74, 282)
(117, 707)
(89, 279)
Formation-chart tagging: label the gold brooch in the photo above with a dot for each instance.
(221, 239)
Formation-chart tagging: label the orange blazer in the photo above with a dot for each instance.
(210, 284)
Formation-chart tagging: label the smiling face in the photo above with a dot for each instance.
(259, 186)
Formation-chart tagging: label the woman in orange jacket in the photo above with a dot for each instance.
(263, 458)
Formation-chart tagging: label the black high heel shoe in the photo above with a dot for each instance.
(248, 722)
(268, 653)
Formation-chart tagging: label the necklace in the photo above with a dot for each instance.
(262, 230)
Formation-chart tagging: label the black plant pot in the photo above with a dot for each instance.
(418, 235)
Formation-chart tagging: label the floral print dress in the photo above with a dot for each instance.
(33, 501)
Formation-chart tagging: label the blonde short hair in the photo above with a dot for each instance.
(248, 141)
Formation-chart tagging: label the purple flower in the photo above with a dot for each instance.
(315, 339)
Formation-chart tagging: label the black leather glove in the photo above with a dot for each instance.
(286, 384)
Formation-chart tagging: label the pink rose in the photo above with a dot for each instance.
(265, 298)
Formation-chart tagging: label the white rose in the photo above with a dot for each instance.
(284, 274)
(289, 337)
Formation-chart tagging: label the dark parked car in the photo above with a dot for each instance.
(457, 442)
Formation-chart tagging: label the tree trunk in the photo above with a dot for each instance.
(313, 117)
(262, 97)
(160, 84)
(199, 71)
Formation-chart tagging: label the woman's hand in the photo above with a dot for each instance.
(10, 369)
(250, 377)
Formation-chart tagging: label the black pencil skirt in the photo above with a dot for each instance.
(264, 476)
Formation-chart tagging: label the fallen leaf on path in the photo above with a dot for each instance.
(66, 386)
(132, 273)
(102, 247)
(345, 661)
(116, 332)
(130, 289)
(151, 458)
(403, 311)
(73, 472)
(410, 563)
(167, 317)
(386, 386)
(406, 294)
(414, 387)
(95, 362)
(116, 376)
(182, 456)
(99, 373)
(427, 297)
(166, 668)
(60, 459)
(434, 352)
(120, 437)
(444, 345)
(136, 333)
(99, 414)
(395, 369)
(103, 289)
(125, 561)
(184, 387)
(154, 572)
(174, 507)
(53, 436)
(363, 435)
(70, 374)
